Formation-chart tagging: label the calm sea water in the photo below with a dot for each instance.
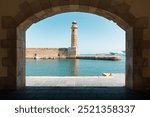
(71, 67)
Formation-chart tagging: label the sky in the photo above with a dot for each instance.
(95, 34)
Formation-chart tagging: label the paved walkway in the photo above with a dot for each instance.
(75, 89)
(77, 81)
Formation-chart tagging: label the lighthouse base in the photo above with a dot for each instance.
(73, 52)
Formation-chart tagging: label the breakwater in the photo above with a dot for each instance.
(62, 53)
(113, 58)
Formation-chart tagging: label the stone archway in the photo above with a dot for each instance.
(32, 11)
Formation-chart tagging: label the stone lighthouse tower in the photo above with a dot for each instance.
(73, 50)
(74, 35)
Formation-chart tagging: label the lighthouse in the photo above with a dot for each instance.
(74, 35)
(73, 50)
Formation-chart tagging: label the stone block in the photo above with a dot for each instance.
(11, 33)
(49, 12)
(0, 61)
(116, 2)
(55, 3)
(24, 26)
(146, 83)
(65, 2)
(3, 52)
(12, 47)
(84, 2)
(146, 34)
(5, 62)
(4, 43)
(9, 61)
(33, 19)
(19, 18)
(128, 18)
(146, 53)
(35, 5)
(123, 8)
(142, 22)
(3, 72)
(41, 14)
(3, 34)
(0, 22)
(94, 3)
(92, 9)
(8, 22)
(26, 9)
(20, 43)
(65, 8)
(137, 44)
(84, 8)
(138, 84)
(129, 84)
(31, 1)
(7, 84)
(104, 14)
(12, 56)
(56, 9)
(104, 4)
(146, 62)
(137, 75)
(74, 2)
(138, 34)
(74, 7)
(145, 44)
(45, 4)
(3, 83)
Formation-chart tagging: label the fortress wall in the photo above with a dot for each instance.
(46, 52)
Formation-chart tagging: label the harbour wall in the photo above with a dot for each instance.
(112, 58)
(54, 53)
(46, 53)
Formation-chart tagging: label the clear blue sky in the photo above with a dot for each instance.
(95, 34)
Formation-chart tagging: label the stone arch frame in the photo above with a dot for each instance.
(32, 11)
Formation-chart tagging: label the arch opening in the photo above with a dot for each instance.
(73, 8)
(97, 36)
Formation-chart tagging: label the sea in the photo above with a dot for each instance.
(73, 67)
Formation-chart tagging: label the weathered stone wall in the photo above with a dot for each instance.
(16, 16)
(73, 52)
(46, 53)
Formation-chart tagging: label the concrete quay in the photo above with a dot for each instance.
(75, 88)
(76, 81)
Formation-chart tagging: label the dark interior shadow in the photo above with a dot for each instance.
(74, 93)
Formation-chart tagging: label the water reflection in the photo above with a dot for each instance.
(75, 63)
(72, 67)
